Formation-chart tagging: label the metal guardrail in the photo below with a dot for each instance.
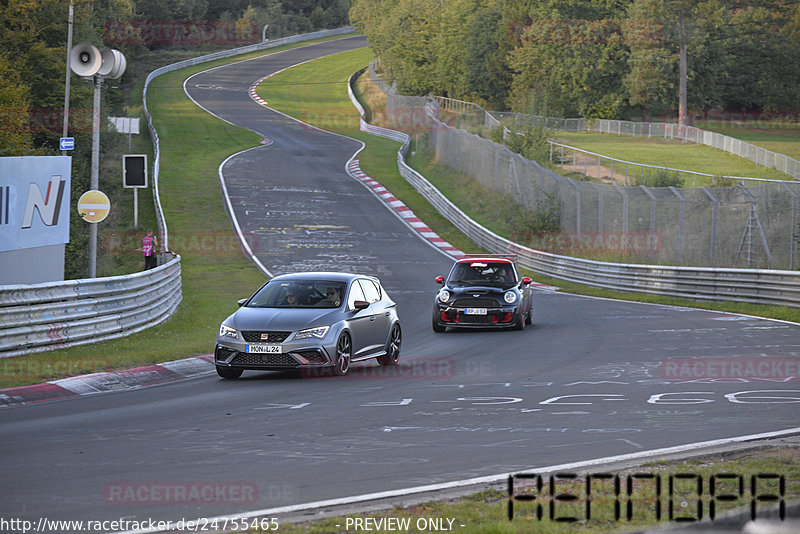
(40, 317)
(760, 286)
(54, 315)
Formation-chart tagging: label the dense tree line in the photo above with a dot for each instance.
(592, 58)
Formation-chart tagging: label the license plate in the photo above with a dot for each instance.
(475, 311)
(264, 349)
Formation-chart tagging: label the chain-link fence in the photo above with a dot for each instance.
(748, 226)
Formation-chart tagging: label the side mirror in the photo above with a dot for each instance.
(360, 305)
(526, 280)
(440, 279)
(241, 302)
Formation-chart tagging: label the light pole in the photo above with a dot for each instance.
(69, 72)
(89, 62)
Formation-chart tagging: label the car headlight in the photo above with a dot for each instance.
(227, 331)
(443, 296)
(510, 297)
(316, 332)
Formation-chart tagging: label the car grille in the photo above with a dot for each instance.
(475, 319)
(313, 356)
(277, 360)
(223, 353)
(254, 336)
(475, 303)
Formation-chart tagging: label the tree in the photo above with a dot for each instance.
(15, 135)
(469, 62)
(571, 58)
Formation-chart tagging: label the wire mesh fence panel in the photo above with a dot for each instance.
(616, 217)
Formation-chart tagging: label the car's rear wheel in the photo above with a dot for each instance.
(344, 349)
(229, 372)
(438, 328)
(392, 347)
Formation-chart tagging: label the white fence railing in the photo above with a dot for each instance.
(759, 286)
(47, 316)
(599, 166)
(665, 130)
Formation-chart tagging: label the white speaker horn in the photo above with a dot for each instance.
(113, 63)
(85, 60)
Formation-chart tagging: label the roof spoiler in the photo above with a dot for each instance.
(512, 257)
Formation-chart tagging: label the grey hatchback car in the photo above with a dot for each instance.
(317, 321)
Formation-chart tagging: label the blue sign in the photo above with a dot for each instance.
(66, 143)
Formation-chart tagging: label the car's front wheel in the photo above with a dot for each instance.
(529, 318)
(344, 349)
(438, 328)
(392, 347)
(229, 372)
(519, 323)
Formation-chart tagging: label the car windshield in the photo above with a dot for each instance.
(482, 272)
(299, 294)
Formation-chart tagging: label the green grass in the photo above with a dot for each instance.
(486, 512)
(667, 153)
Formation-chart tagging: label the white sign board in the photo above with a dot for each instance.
(34, 201)
(126, 125)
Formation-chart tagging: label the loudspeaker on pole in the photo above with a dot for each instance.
(85, 60)
(114, 63)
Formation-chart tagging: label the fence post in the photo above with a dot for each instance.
(681, 228)
(793, 233)
(713, 225)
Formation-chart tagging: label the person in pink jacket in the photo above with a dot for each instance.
(149, 249)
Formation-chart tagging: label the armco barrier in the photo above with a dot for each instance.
(40, 317)
(758, 286)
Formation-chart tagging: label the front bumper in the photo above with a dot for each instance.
(293, 355)
(499, 317)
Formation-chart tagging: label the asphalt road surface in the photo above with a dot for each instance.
(592, 378)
